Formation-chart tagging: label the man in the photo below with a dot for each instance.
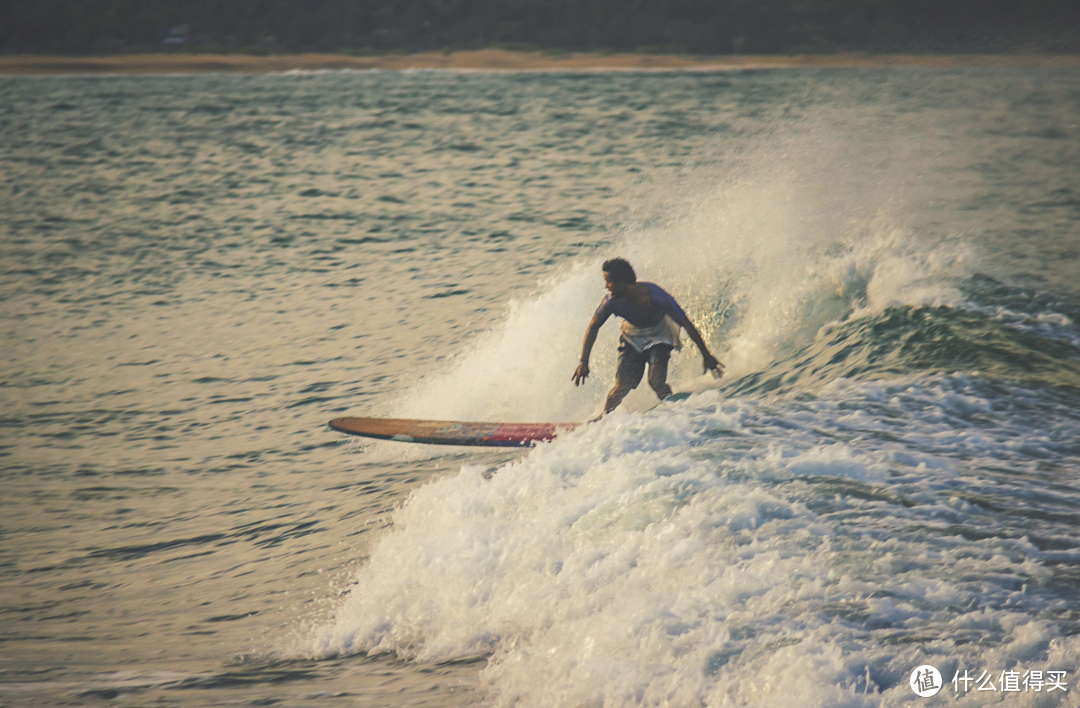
(650, 331)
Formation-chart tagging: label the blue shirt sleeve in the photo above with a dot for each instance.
(604, 311)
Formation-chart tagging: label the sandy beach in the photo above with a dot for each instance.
(491, 60)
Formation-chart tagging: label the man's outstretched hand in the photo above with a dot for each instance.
(580, 374)
(711, 363)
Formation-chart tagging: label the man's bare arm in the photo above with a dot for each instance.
(582, 371)
(710, 362)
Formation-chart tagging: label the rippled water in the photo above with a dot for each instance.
(200, 271)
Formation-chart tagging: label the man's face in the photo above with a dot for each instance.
(607, 282)
(613, 287)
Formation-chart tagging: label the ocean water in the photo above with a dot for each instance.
(200, 271)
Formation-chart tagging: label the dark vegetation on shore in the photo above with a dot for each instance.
(650, 26)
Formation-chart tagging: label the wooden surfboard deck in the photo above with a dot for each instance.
(451, 432)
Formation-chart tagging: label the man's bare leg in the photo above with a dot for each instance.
(658, 363)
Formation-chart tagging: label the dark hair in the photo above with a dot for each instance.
(619, 270)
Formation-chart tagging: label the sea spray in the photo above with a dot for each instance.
(757, 291)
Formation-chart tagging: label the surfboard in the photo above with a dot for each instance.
(451, 432)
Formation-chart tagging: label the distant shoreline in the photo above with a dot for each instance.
(496, 60)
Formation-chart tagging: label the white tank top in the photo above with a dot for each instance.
(641, 338)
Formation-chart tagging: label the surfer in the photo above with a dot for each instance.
(650, 331)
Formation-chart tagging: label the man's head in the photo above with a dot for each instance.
(618, 271)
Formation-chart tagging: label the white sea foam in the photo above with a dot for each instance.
(719, 552)
(1048, 325)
